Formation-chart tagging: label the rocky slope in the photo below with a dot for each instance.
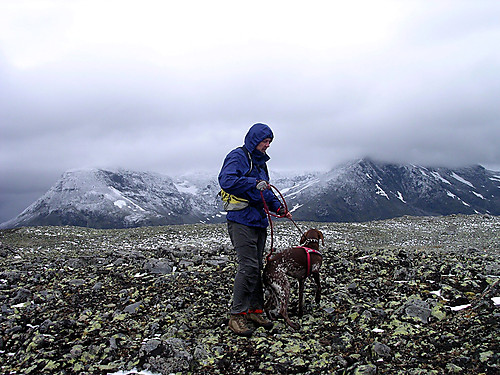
(413, 295)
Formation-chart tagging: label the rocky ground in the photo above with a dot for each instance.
(407, 295)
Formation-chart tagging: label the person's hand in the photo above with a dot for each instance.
(263, 185)
(284, 213)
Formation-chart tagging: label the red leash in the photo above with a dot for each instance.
(270, 214)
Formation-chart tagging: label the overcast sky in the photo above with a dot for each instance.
(172, 86)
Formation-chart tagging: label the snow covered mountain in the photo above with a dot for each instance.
(368, 190)
(358, 191)
(121, 199)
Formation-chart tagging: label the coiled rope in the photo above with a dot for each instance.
(270, 215)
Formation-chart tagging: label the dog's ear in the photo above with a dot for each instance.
(320, 234)
(303, 239)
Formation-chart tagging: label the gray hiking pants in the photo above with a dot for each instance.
(249, 243)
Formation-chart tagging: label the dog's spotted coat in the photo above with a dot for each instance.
(292, 262)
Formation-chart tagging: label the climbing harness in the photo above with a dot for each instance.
(308, 253)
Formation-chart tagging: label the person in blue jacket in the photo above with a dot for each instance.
(244, 174)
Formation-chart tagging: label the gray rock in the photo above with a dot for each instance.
(217, 262)
(77, 282)
(366, 370)
(157, 266)
(341, 361)
(22, 295)
(329, 310)
(352, 287)
(414, 307)
(420, 312)
(166, 357)
(133, 308)
(151, 347)
(381, 350)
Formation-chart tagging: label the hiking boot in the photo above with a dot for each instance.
(238, 324)
(260, 320)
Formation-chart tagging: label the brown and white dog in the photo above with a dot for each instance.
(298, 262)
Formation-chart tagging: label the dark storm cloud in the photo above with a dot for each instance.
(412, 82)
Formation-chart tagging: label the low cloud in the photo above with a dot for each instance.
(414, 83)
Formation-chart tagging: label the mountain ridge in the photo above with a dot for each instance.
(360, 190)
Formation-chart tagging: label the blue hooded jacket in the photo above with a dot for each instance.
(233, 180)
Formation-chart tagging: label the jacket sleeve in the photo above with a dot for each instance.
(232, 175)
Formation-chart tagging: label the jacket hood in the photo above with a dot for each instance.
(256, 134)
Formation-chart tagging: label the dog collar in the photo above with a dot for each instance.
(311, 240)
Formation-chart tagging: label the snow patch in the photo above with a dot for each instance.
(461, 307)
(462, 180)
(296, 207)
(400, 197)
(134, 372)
(120, 203)
(381, 192)
(438, 176)
(19, 305)
(291, 195)
(421, 169)
(124, 199)
(478, 195)
(450, 194)
(186, 187)
(436, 292)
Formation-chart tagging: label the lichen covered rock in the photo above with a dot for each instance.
(404, 295)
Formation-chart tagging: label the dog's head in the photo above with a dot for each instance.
(312, 236)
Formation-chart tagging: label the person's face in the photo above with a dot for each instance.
(264, 145)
